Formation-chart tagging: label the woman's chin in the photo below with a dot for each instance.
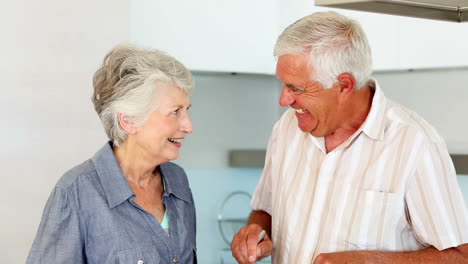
(173, 155)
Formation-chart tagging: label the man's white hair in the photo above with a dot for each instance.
(334, 43)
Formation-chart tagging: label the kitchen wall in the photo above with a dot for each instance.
(48, 52)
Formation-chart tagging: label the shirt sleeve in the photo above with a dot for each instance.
(58, 239)
(262, 197)
(436, 207)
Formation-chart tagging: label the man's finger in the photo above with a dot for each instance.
(252, 241)
(236, 248)
(264, 248)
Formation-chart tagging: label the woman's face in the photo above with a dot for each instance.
(162, 135)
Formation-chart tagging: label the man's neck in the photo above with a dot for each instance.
(354, 114)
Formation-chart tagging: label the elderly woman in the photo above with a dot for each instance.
(128, 203)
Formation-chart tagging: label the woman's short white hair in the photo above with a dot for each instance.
(127, 83)
(334, 43)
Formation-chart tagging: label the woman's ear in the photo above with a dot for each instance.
(127, 123)
(347, 86)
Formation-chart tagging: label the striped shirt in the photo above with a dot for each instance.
(391, 186)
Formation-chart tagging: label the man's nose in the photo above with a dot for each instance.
(286, 97)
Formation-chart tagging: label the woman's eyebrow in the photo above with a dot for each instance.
(181, 106)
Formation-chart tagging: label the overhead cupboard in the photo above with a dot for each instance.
(238, 36)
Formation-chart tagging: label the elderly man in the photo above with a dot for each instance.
(350, 176)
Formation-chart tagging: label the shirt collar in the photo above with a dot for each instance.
(175, 181)
(111, 177)
(374, 126)
(116, 187)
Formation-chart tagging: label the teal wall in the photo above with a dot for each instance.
(210, 187)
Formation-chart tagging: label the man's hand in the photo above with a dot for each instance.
(246, 248)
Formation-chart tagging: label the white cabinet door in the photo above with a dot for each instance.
(427, 43)
(209, 35)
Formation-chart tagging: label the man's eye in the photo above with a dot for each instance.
(175, 112)
(296, 89)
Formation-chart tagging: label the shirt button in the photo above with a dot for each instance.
(140, 262)
(176, 259)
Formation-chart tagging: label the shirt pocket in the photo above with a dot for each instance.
(374, 222)
(139, 255)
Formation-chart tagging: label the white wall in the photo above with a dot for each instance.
(439, 96)
(48, 52)
(229, 112)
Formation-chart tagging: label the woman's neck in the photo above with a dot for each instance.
(137, 167)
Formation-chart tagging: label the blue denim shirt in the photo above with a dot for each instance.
(91, 217)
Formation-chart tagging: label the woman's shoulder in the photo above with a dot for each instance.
(83, 171)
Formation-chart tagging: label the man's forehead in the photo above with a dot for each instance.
(293, 65)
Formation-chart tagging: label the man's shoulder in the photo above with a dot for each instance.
(400, 117)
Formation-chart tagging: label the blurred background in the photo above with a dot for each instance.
(50, 49)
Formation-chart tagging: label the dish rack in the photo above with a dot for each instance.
(229, 224)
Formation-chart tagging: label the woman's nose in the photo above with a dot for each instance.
(187, 125)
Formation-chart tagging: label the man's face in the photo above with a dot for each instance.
(316, 107)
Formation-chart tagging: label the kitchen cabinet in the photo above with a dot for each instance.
(431, 43)
(209, 35)
(238, 36)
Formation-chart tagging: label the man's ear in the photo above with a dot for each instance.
(347, 86)
(127, 123)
